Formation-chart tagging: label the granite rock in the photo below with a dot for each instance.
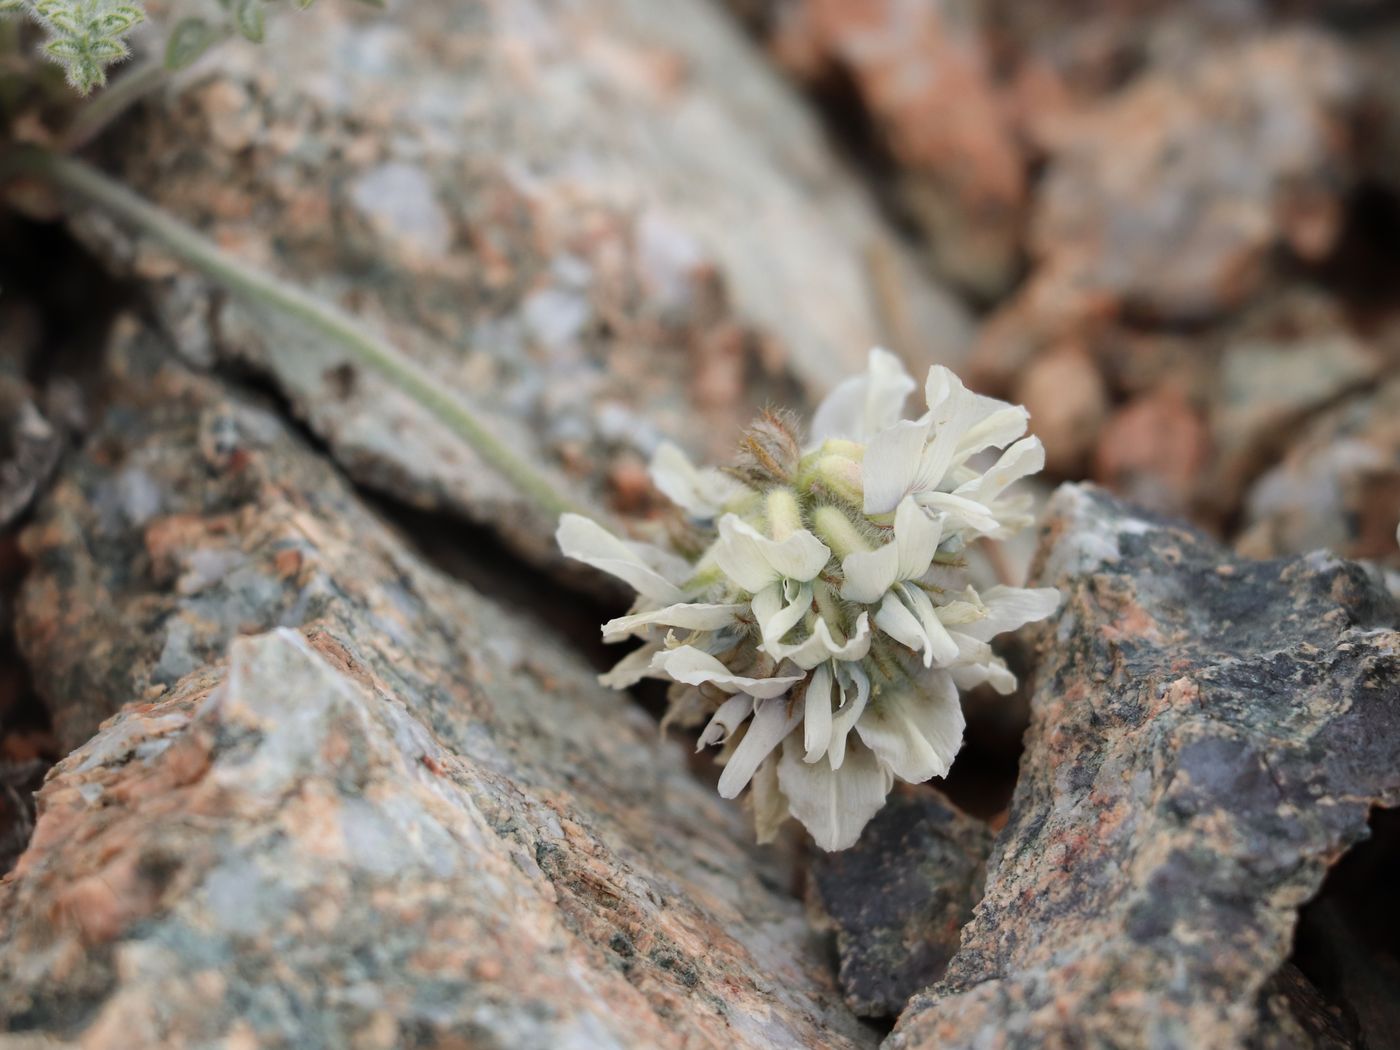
(602, 223)
(395, 813)
(1208, 734)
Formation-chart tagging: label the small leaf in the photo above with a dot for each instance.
(190, 39)
(248, 17)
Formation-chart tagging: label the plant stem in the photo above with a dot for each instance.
(316, 314)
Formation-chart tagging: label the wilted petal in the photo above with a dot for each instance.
(693, 666)
(771, 722)
(865, 404)
(833, 804)
(729, 717)
(1011, 607)
(587, 541)
(994, 673)
(770, 805)
(701, 492)
(753, 561)
(891, 464)
(816, 715)
(695, 616)
(632, 668)
(779, 607)
(915, 733)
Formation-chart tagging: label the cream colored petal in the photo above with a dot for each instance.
(587, 541)
(994, 673)
(779, 607)
(1024, 458)
(855, 693)
(816, 717)
(753, 561)
(694, 616)
(915, 733)
(959, 512)
(1011, 607)
(891, 465)
(894, 618)
(703, 493)
(771, 722)
(632, 668)
(833, 804)
(820, 645)
(694, 667)
(729, 717)
(861, 406)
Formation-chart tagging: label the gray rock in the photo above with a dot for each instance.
(397, 814)
(898, 899)
(555, 208)
(1208, 734)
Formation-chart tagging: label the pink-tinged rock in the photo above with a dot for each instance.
(1208, 734)
(351, 802)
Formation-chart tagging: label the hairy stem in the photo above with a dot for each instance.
(322, 317)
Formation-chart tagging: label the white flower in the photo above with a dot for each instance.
(830, 620)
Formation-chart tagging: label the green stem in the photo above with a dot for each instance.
(317, 315)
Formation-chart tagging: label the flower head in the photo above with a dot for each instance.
(824, 629)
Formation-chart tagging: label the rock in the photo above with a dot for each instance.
(1278, 367)
(925, 75)
(1208, 735)
(29, 447)
(602, 223)
(1169, 197)
(1154, 451)
(397, 814)
(899, 897)
(1337, 486)
(1068, 402)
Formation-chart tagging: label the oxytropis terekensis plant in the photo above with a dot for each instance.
(822, 614)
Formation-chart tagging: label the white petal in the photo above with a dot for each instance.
(820, 645)
(770, 724)
(779, 607)
(994, 673)
(865, 404)
(833, 804)
(692, 666)
(895, 619)
(695, 616)
(753, 561)
(916, 537)
(701, 492)
(587, 541)
(1001, 427)
(855, 692)
(1025, 457)
(952, 411)
(891, 464)
(869, 574)
(960, 512)
(729, 717)
(816, 716)
(915, 733)
(1011, 607)
(632, 668)
(770, 805)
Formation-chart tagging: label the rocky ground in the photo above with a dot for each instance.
(326, 764)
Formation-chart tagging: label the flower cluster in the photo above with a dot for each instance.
(825, 619)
